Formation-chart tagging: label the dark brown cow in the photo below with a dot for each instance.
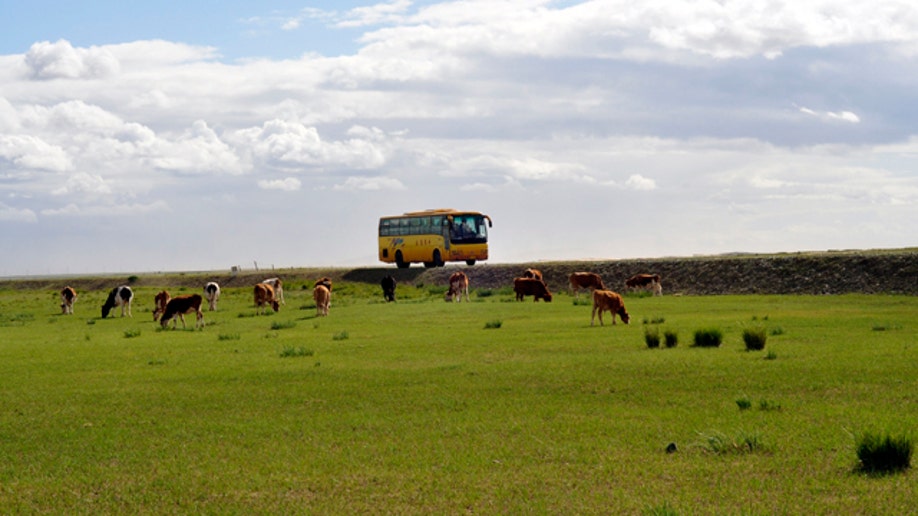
(648, 281)
(458, 283)
(159, 304)
(264, 296)
(388, 284)
(585, 280)
(607, 300)
(181, 305)
(68, 296)
(531, 287)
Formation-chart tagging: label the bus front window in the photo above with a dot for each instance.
(469, 230)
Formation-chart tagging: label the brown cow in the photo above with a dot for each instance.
(531, 287)
(532, 273)
(585, 280)
(159, 304)
(607, 300)
(181, 305)
(68, 296)
(322, 296)
(648, 281)
(458, 283)
(278, 286)
(264, 296)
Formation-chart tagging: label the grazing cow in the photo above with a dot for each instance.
(585, 280)
(159, 304)
(264, 296)
(607, 300)
(532, 273)
(388, 287)
(181, 305)
(212, 293)
(322, 296)
(278, 287)
(458, 283)
(119, 296)
(531, 287)
(68, 296)
(648, 281)
(327, 283)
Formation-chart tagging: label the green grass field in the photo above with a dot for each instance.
(422, 406)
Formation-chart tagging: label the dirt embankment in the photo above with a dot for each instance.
(892, 271)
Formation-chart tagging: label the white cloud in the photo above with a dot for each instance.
(60, 60)
(289, 184)
(843, 116)
(12, 214)
(639, 182)
(370, 183)
(108, 210)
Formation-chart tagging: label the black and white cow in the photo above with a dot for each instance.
(212, 293)
(119, 296)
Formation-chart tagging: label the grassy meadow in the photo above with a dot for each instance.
(428, 407)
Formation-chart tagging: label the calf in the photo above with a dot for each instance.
(388, 287)
(458, 283)
(212, 293)
(68, 296)
(648, 281)
(264, 296)
(159, 304)
(119, 296)
(532, 273)
(585, 280)
(181, 305)
(607, 300)
(278, 286)
(531, 287)
(322, 296)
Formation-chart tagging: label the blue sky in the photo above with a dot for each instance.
(211, 134)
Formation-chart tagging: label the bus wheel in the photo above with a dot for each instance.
(437, 259)
(400, 261)
(470, 262)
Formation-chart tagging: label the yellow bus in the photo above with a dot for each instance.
(434, 237)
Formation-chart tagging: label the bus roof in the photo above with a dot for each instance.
(437, 211)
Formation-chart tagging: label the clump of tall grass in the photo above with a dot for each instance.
(883, 454)
(493, 325)
(300, 351)
(228, 336)
(652, 337)
(670, 338)
(130, 334)
(755, 339)
(721, 444)
(341, 336)
(582, 301)
(655, 320)
(283, 325)
(708, 338)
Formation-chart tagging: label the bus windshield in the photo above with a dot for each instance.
(468, 229)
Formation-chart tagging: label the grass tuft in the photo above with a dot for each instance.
(670, 338)
(493, 325)
(130, 334)
(708, 338)
(755, 339)
(883, 454)
(341, 336)
(300, 351)
(283, 325)
(652, 337)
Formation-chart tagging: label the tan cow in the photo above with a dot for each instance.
(458, 283)
(322, 296)
(532, 273)
(585, 280)
(531, 287)
(181, 305)
(160, 301)
(68, 296)
(264, 296)
(607, 300)
(648, 281)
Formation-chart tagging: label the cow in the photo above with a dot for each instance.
(264, 296)
(212, 293)
(160, 301)
(68, 296)
(585, 280)
(327, 283)
(648, 281)
(119, 296)
(532, 273)
(322, 296)
(607, 300)
(458, 283)
(278, 286)
(181, 305)
(531, 287)
(388, 287)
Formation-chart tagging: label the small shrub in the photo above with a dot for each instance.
(708, 338)
(883, 454)
(652, 337)
(670, 338)
(296, 352)
(743, 403)
(754, 338)
(341, 336)
(493, 325)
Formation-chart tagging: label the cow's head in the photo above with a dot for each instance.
(624, 315)
(275, 305)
